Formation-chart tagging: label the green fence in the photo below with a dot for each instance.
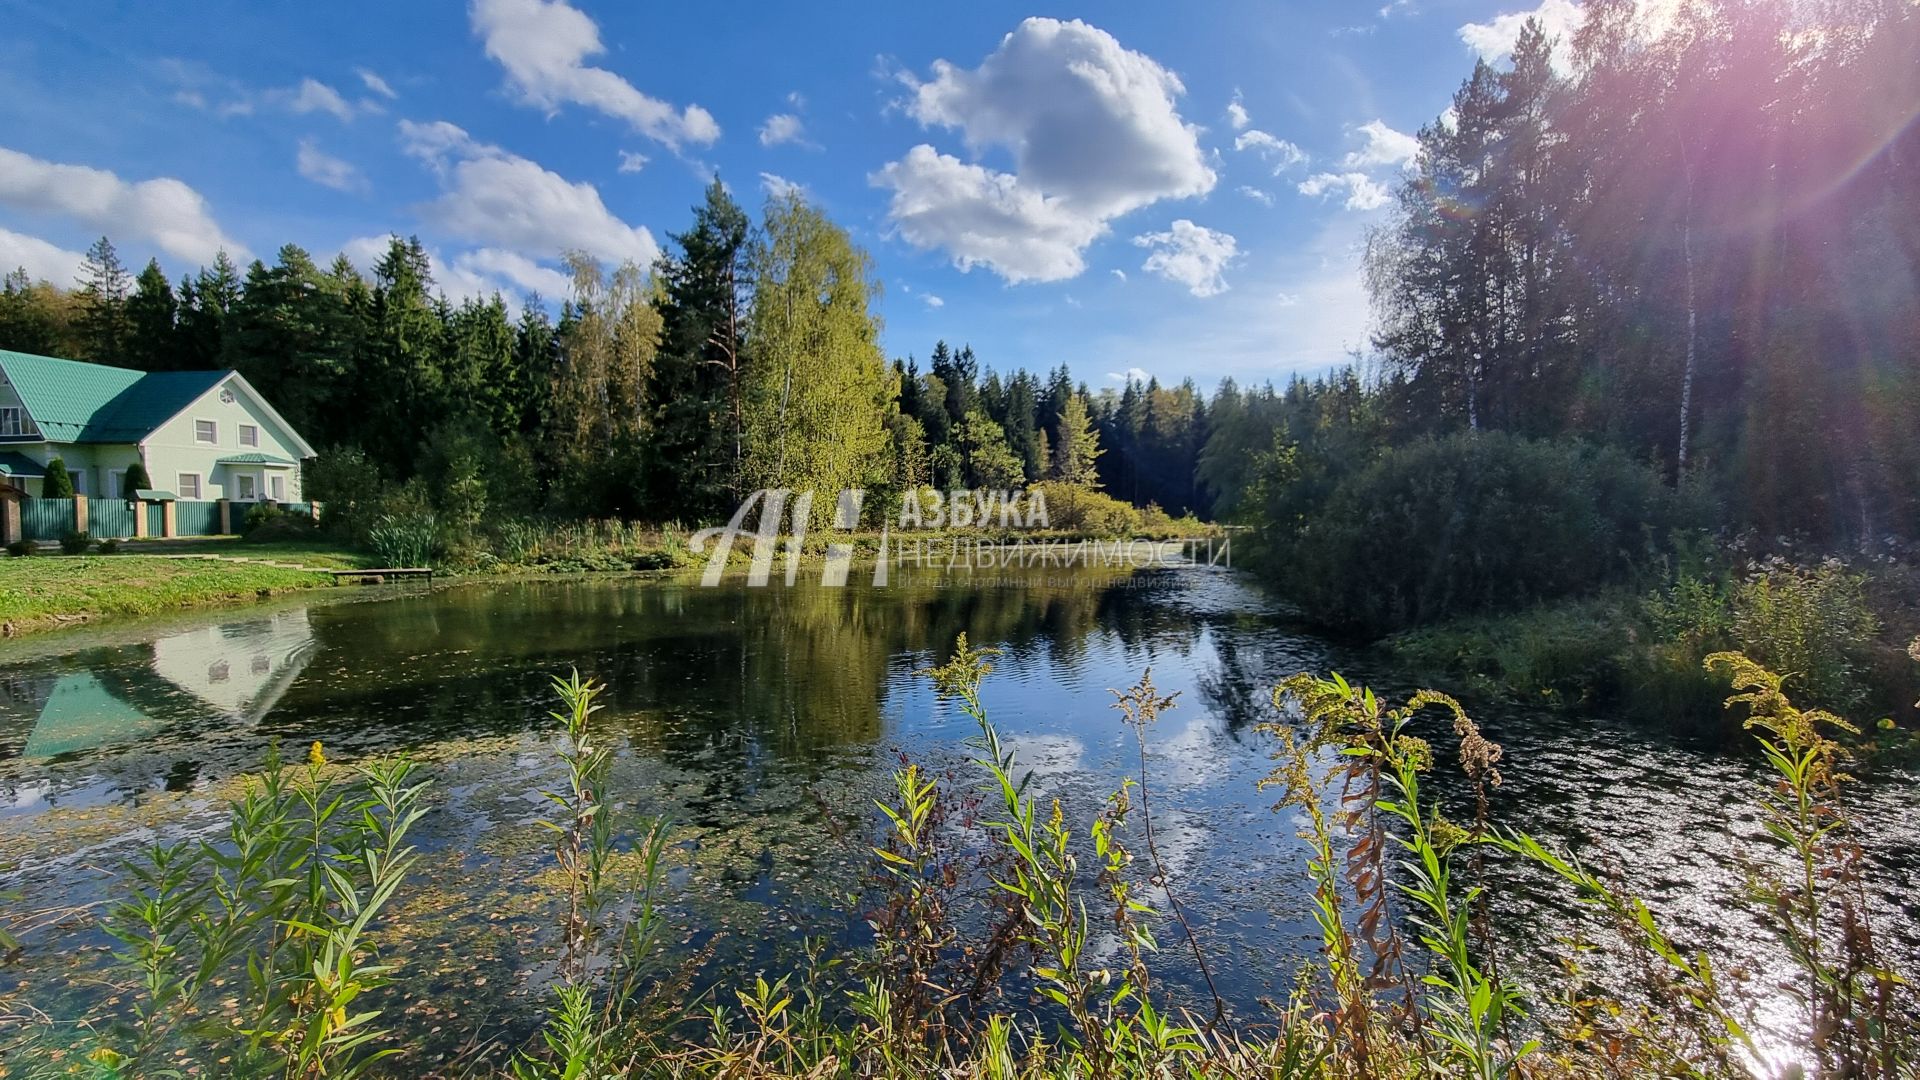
(196, 518)
(156, 518)
(46, 519)
(109, 519)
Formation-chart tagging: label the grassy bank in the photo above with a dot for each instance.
(45, 593)
(1841, 633)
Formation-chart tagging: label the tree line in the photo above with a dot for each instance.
(747, 356)
(1699, 243)
(1699, 246)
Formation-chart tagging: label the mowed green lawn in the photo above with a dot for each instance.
(48, 591)
(316, 552)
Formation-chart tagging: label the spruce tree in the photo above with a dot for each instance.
(104, 285)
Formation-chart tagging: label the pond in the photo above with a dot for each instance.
(763, 721)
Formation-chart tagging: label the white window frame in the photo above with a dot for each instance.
(116, 484)
(13, 417)
(199, 491)
(79, 478)
(254, 429)
(240, 496)
(198, 441)
(277, 487)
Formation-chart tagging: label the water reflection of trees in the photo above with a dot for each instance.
(697, 676)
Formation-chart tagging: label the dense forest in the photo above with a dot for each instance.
(747, 357)
(1696, 249)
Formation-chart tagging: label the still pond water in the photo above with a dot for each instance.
(763, 721)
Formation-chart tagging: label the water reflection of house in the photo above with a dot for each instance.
(235, 672)
(241, 669)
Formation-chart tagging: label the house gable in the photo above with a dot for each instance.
(203, 448)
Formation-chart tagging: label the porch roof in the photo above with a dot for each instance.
(256, 459)
(20, 466)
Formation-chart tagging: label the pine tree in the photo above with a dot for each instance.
(205, 303)
(152, 322)
(104, 284)
(698, 439)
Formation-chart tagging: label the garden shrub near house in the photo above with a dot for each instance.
(58, 483)
(135, 479)
(20, 549)
(75, 543)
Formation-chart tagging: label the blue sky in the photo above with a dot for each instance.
(1177, 189)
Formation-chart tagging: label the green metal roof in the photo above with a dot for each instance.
(154, 495)
(255, 459)
(14, 463)
(72, 402)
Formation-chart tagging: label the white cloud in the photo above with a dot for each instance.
(499, 199)
(375, 83)
(932, 301)
(1362, 191)
(1495, 38)
(164, 212)
(1192, 255)
(544, 46)
(1132, 374)
(42, 261)
(1385, 146)
(779, 187)
(1121, 274)
(631, 162)
(366, 251)
(1093, 133)
(1282, 153)
(1287, 299)
(1254, 193)
(782, 128)
(471, 275)
(986, 218)
(313, 96)
(529, 276)
(1237, 113)
(326, 170)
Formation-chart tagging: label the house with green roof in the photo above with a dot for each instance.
(200, 435)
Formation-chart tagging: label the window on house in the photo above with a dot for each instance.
(246, 487)
(206, 431)
(189, 485)
(10, 421)
(249, 435)
(277, 487)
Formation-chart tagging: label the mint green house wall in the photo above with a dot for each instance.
(172, 449)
